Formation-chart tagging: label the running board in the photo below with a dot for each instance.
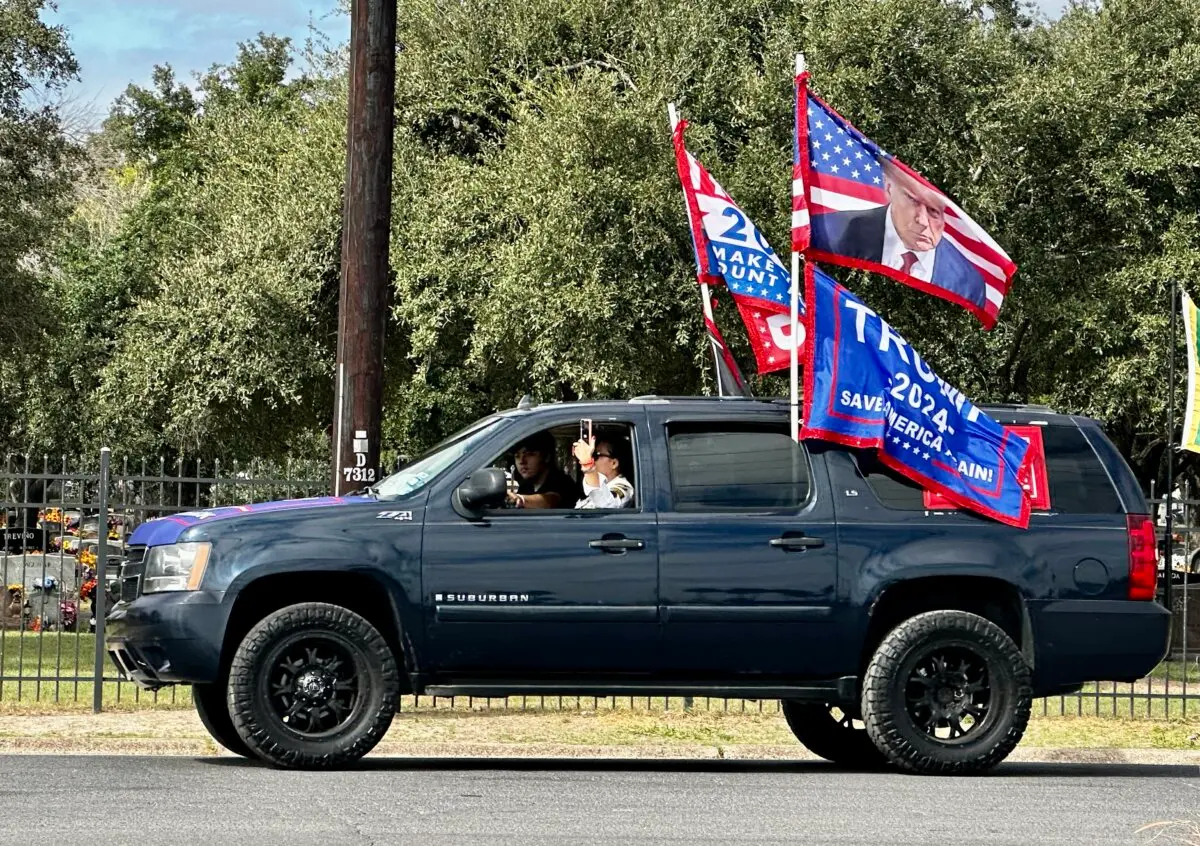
(844, 689)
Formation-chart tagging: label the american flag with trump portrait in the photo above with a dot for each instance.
(856, 205)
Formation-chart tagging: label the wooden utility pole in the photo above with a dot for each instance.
(366, 223)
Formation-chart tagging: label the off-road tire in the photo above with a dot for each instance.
(212, 706)
(254, 674)
(890, 677)
(830, 737)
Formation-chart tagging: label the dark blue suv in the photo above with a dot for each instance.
(895, 630)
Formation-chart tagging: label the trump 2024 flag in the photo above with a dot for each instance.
(731, 251)
(865, 386)
(856, 205)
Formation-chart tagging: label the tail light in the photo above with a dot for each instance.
(1143, 557)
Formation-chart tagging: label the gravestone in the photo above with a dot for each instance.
(1188, 597)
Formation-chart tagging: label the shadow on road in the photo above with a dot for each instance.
(660, 765)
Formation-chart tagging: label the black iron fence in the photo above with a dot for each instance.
(64, 528)
(65, 525)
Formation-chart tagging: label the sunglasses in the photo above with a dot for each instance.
(602, 455)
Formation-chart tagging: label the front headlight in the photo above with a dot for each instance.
(178, 566)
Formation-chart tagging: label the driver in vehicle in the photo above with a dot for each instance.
(540, 484)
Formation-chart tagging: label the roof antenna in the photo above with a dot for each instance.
(526, 402)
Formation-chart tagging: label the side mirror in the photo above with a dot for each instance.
(485, 488)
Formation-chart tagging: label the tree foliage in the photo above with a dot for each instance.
(539, 243)
(35, 171)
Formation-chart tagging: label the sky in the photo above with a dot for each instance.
(120, 41)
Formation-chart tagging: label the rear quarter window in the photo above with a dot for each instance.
(890, 488)
(1079, 483)
(1077, 479)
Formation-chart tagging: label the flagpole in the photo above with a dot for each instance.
(795, 307)
(1170, 445)
(704, 296)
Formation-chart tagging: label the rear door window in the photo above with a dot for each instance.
(733, 467)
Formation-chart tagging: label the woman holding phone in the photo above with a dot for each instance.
(601, 462)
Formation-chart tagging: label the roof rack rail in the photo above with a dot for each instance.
(670, 398)
(1018, 406)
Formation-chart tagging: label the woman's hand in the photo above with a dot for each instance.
(583, 450)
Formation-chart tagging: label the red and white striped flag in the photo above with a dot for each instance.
(801, 232)
(731, 251)
(856, 205)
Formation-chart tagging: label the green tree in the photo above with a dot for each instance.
(35, 161)
(542, 244)
(186, 328)
(1091, 161)
(256, 78)
(538, 239)
(146, 124)
(227, 273)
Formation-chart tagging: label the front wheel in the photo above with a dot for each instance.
(832, 734)
(946, 692)
(313, 686)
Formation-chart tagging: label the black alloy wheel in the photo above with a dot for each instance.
(949, 695)
(312, 683)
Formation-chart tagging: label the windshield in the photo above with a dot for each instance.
(430, 465)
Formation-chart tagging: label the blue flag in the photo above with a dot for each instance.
(866, 387)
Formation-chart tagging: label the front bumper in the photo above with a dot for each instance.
(1097, 640)
(168, 638)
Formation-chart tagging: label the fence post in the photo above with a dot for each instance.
(1187, 565)
(101, 582)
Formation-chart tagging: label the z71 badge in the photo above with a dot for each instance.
(394, 515)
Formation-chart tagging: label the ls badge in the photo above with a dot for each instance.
(394, 515)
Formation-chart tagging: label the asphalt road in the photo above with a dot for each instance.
(212, 801)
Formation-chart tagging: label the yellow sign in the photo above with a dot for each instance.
(1191, 417)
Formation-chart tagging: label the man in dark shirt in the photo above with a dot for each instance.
(540, 484)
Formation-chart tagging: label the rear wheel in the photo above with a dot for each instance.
(212, 707)
(947, 692)
(833, 734)
(313, 686)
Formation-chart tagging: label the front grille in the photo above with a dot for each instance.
(131, 583)
(131, 573)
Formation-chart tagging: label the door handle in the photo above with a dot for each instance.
(796, 542)
(616, 544)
